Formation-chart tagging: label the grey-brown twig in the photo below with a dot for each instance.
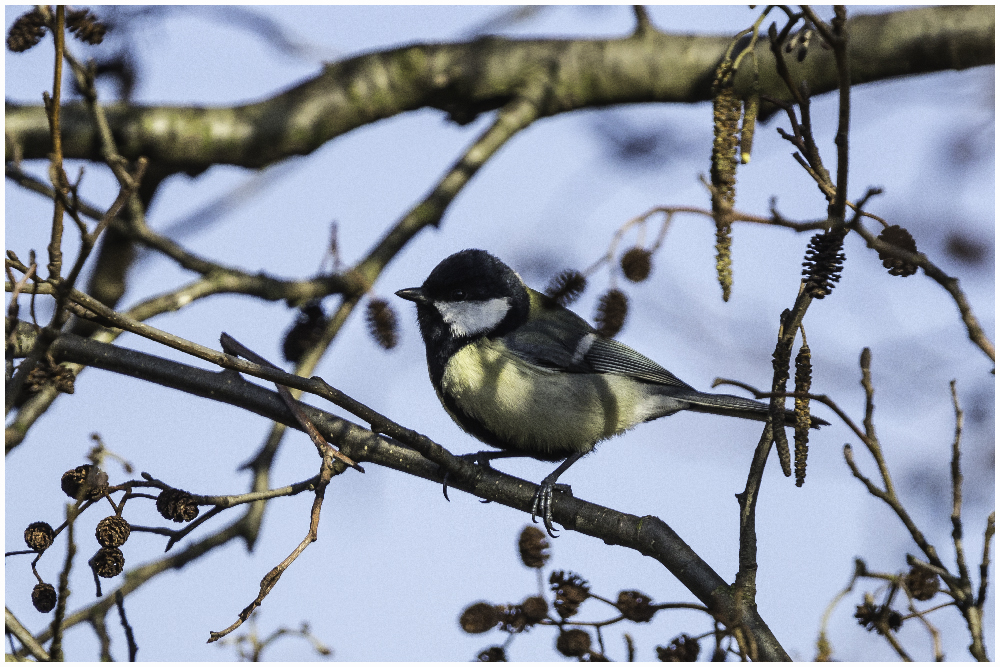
(133, 648)
(31, 645)
(234, 347)
(271, 578)
(57, 626)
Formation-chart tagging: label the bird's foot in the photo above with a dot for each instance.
(541, 506)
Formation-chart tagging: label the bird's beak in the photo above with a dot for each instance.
(414, 294)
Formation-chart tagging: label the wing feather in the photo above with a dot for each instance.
(607, 355)
(557, 338)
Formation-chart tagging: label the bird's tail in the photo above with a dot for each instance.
(736, 406)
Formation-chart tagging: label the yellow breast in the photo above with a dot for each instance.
(535, 409)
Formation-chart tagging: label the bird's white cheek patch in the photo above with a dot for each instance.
(468, 318)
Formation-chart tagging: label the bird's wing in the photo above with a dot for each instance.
(607, 355)
(551, 336)
(559, 339)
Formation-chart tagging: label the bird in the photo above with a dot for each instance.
(529, 377)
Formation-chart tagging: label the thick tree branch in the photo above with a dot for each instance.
(466, 79)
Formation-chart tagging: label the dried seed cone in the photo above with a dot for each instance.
(573, 643)
(803, 381)
(43, 597)
(73, 480)
(108, 562)
(866, 615)
(47, 374)
(611, 312)
(85, 26)
(824, 262)
(27, 31)
(681, 649)
(88, 477)
(535, 609)
(176, 505)
(637, 264)
(571, 591)
(305, 333)
(922, 583)
(113, 531)
(635, 606)
(567, 287)
(39, 536)
(64, 380)
(383, 325)
(902, 239)
(871, 616)
(512, 618)
(479, 618)
(533, 546)
(492, 654)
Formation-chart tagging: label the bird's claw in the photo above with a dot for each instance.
(541, 506)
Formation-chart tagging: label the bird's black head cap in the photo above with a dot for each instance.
(473, 275)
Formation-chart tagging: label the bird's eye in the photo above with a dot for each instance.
(458, 295)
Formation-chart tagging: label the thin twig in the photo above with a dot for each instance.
(28, 641)
(15, 291)
(171, 301)
(930, 627)
(261, 285)
(271, 578)
(63, 288)
(56, 175)
(859, 570)
(129, 635)
(888, 494)
(984, 566)
(88, 241)
(234, 347)
(956, 490)
(746, 576)
(837, 38)
(55, 649)
(225, 502)
(97, 622)
(976, 333)
(890, 637)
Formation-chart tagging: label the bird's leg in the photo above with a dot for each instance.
(480, 459)
(542, 504)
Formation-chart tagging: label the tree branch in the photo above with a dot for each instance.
(466, 79)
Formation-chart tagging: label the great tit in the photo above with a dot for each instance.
(521, 373)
